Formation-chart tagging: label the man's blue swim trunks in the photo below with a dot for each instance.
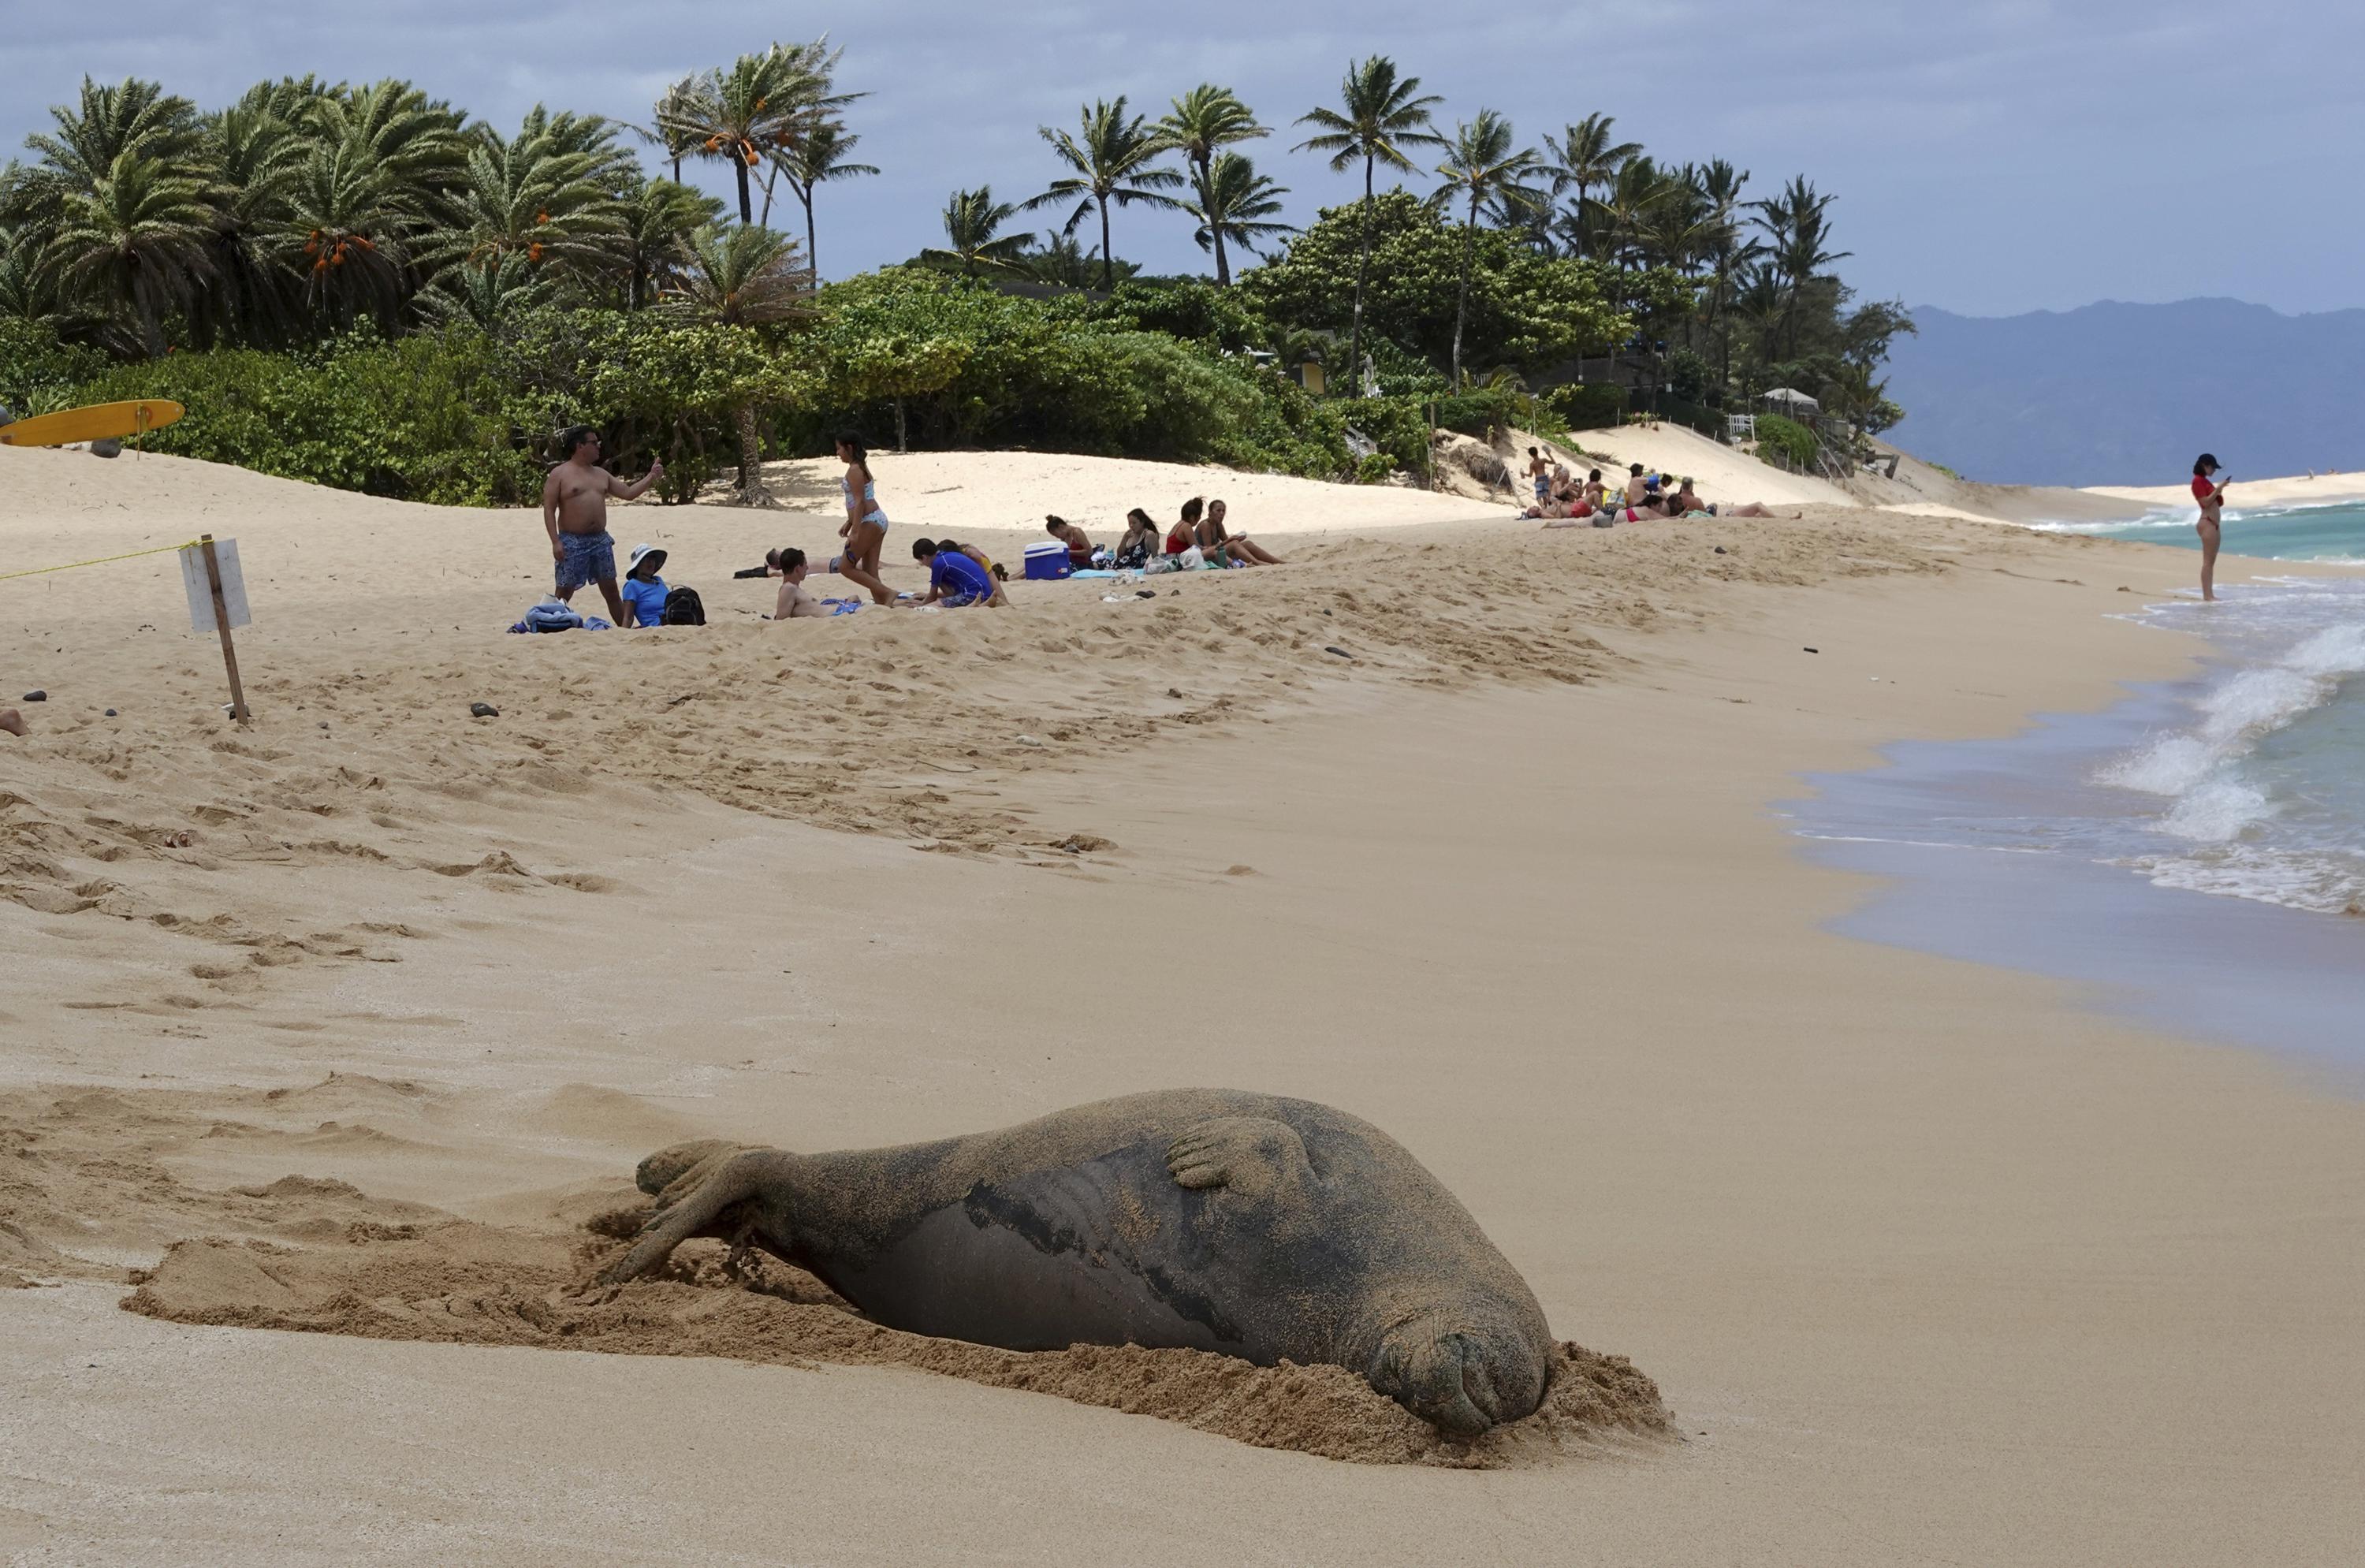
(590, 558)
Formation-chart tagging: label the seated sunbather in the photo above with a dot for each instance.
(1079, 548)
(644, 590)
(1215, 540)
(1140, 540)
(958, 575)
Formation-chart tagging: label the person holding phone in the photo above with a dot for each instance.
(2210, 491)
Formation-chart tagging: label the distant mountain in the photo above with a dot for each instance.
(2117, 394)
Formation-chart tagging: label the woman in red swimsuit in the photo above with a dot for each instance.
(2210, 491)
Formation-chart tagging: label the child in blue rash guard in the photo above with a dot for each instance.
(955, 580)
(644, 590)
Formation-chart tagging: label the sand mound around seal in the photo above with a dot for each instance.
(465, 1283)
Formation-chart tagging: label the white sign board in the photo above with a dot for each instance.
(201, 596)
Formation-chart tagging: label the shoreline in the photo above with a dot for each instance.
(1931, 1258)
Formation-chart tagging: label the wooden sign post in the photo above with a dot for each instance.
(217, 608)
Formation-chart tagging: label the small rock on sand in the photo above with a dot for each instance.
(482, 711)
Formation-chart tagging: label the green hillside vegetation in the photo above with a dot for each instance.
(363, 287)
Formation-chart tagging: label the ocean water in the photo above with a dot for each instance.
(2198, 850)
(2280, 533)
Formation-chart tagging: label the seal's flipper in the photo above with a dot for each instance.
(694, 1205)
(666, 1166)
(1257, 1157)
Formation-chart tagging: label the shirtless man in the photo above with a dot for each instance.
(575, 514)
(1638, 489)
(1539, 471)
(794, 600)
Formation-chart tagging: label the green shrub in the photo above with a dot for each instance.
(401, 418)
(1787, 437)
(38, 373)
(1586, 406)
(1484, 408)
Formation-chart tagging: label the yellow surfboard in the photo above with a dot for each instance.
(98, 422)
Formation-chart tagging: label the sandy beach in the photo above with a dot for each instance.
(1454, 823)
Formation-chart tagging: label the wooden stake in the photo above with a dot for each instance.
(221, 625)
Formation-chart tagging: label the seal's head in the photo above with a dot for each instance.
(1464, 1366)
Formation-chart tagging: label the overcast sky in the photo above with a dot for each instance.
(1989, 156)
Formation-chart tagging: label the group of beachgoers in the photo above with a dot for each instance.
(1562, 502)
(575, 514)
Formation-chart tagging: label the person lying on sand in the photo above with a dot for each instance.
(1080, 547)
(13, 723)
(793, 601)
(645, 591)
(1140, 541)
(1238, 548)
(956, 580)
(575, 514)
(1757, 509)
(1686, 503)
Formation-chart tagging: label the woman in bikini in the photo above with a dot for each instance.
(2210, 491)
(1215, 540)
(866, 526)
(1140, 541)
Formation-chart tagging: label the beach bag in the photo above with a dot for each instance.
(682, 608)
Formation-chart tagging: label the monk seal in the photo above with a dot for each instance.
(1214, 1219)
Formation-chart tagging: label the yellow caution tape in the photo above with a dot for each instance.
(103, 560)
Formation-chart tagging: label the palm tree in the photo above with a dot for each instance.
(137, 238)
(1794, 223)
(746, 275)
(671, 114)
(253, 156)
(1233, 202)
(973, 221)
(1381, 118)
(1112, 163)
(1202, 123)
(1628, 206)
(1727, 252)
(1063, 262)
(346, 229)
(541, 195)
(490, 292)
(821, 155)
(136, 117)
(745, 113)
(660, 220)
(1585, 158)
(1481, 167)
